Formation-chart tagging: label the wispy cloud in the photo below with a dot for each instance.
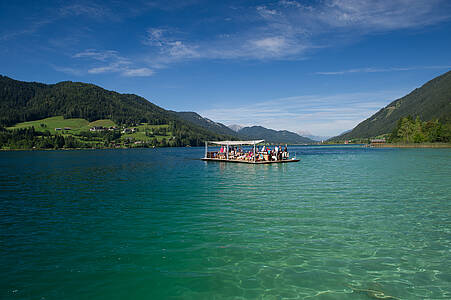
(140, 72)
(288, 29)
(68, 70)
(91, 10)
(107, 61)
(277, 30)
(379, 70)
(30, 29)
(325, 115)
(383, 15)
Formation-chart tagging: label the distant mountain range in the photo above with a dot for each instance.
(240, 132)
(235, 127)
(429, 102)
(317, 138)
(273, 136)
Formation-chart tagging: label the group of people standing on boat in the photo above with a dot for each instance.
(278, 153)
(264, 154)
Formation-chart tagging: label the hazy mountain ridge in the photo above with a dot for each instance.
(235, 127)
(273, 136)
(251, 132)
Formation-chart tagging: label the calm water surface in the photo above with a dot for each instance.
(344, 223)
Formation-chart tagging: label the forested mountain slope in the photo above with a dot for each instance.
(429, 102)
(206, 123)
(28, 101)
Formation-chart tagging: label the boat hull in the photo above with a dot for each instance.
(251, 162)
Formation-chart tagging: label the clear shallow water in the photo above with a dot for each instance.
(159, 224)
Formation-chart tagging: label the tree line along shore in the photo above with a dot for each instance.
(60, 133)
(77, 133)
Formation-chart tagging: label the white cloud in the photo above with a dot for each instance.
(109, 61)
(99, 55)
(287, 3)
(266, 13)
(138, 72)
(379, 70)
(325, 115)
(382, 15)
(271, 44)
(44, 18)
(91, 10)
(288, 29)
(178, 49)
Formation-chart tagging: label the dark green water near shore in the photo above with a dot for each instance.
(344, 223)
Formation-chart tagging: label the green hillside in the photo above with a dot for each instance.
(430, 102)
(208, 124)
(74, 101)
(50, 124)
(27, 101)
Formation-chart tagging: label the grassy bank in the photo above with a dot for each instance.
(59, 133)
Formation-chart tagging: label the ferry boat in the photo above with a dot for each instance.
(233, 151)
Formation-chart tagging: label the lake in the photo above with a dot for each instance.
(343, 223)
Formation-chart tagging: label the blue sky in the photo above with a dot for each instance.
(306, 66)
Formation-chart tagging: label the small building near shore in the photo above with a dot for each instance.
(378, 141)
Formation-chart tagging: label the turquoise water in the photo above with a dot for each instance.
(344, 223)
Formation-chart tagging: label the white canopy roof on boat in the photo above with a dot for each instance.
(235, 143)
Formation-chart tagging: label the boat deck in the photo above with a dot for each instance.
(264, 162)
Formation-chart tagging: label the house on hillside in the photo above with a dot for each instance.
(129, 130)
(97, 128)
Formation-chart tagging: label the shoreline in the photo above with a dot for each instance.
(432, 145)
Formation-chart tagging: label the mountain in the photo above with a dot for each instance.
(206, 123)
(235, 127)
(255, 132)
(429, 102)
(273, 136)
(317, 138)
(29, 101)
(307, 134)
